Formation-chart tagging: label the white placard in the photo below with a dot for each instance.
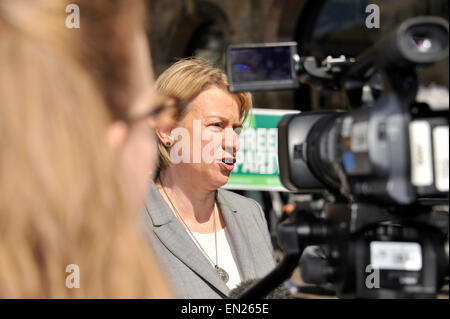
(347, 126)
(421, 162)
(440, 145)
(396, 255)
(359, 137)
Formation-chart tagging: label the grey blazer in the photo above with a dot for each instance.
(191, 274)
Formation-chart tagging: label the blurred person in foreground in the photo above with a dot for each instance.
(75, 151)
(208, 239)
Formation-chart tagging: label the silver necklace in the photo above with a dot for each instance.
(220, 271)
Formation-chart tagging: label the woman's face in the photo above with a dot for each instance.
(213, 124)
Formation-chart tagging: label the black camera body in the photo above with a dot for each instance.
(368, 154)
(387, 159)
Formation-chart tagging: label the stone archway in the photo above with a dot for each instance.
(290, 14)
(200, 16)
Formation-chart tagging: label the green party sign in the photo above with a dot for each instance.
(256, 166)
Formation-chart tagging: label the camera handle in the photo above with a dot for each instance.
(327, 74)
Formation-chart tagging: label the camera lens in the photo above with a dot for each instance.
(423, 44)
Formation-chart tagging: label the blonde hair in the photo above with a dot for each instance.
(186, 79)
(60, 202)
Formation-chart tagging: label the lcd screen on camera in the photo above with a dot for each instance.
(263, 64)
(261, 67)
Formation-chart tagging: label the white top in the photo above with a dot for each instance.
(225, 259)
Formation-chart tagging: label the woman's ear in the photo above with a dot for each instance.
(164, 137)
(117, 134)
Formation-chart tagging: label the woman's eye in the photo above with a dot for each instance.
(238, 130)
(218, 125)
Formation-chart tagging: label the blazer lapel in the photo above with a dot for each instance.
(238, 238)
(175, 238)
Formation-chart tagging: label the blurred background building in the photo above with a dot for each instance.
(182, 28)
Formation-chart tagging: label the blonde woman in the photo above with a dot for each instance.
(75, 151)
(208, 239)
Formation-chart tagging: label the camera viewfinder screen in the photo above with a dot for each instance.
(261, 64)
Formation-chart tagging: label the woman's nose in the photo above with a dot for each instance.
(230, 142)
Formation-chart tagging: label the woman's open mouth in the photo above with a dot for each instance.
(227, 163)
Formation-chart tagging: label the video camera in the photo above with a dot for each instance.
(385, 163)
